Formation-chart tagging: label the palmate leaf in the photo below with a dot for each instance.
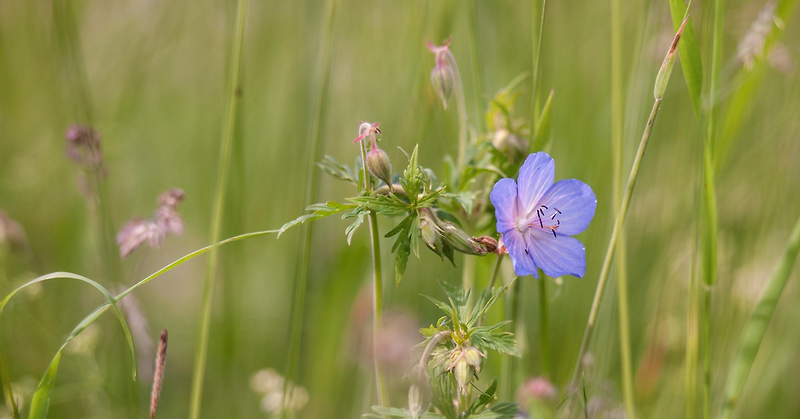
(337, 170)
(491, 338)
(319, 211)
(407, 232)
(384, 204)
(486, 301)
(504, 410)
(459, 299)
(411, 180)
(393, 412)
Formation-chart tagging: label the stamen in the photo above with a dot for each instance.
(554, 233)
(526, 251)
(545, 207)
(538, 212)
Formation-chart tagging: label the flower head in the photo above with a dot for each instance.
(537, 218)
(443, 75)
(154, 230)
(83, 147)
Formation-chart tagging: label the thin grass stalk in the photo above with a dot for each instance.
(756, 327)
(309, 196)
(544, 327)
(492, 279)
(537, 55)
(662, 79)
(617, 155)
(218, 210)
(692, 346)
(477, 80)
(507, 366)
(709, 209)
(612, 245)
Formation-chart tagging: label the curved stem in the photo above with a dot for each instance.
(219, 207)
(377, 298)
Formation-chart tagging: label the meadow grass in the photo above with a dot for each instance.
(697, 326)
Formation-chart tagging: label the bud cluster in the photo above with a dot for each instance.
(439, 235)
(464, 362)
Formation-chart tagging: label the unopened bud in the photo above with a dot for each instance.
(462, 374)
(474, 357)
(419, 398)
(443, 82)
(461, 241)
(666, 67)
(427, 232)
(379, 165)
(488, 242)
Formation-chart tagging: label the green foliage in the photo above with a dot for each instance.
(338, 171)
(541, 136)
(689, 51)
(393, 412)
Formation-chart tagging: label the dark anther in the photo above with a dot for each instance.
(554, 233)
(545, 207)
(526, 251)
(540, 219)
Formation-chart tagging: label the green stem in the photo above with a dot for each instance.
(495, 271)
(461, 106)
(544, 327)
(309, 195)
(709, 208)
(707, 352)
(507, 366)
(617, 154)
(612, 245)
(468, 272)
(218, 214)
(477, 84)
(377, 297)
(537, 54)
(692, 343)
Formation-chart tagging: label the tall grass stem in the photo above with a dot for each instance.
(617, 155)
(612, 245)
(537, 55)
(377, 298)
(234, 96)
(309, 197)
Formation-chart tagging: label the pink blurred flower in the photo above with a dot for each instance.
(153, 231)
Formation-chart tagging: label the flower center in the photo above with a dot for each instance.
(547, 221)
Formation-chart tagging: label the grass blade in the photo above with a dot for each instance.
(543, 124)
(219, 209)
(757, 325)
(41, 399)
(689, 51)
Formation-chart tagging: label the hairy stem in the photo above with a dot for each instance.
(377, 298)
(218, 214)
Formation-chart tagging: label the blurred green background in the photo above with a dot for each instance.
(157, 74)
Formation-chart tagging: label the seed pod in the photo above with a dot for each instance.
(443, 81)
(379, 165)
(460, 241)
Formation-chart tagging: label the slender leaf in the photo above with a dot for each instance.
(757, 325)
(689, 51)
(542, 133)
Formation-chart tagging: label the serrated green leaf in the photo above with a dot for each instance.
(501, 342)
(337, 170)
(503, 410)
(690, 57)
(465, 199)
(411, 181)
(319, 211)
(384, 204)
(448, 309)
(351, 229)
(485, 398)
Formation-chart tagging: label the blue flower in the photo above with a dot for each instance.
(537, 218)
